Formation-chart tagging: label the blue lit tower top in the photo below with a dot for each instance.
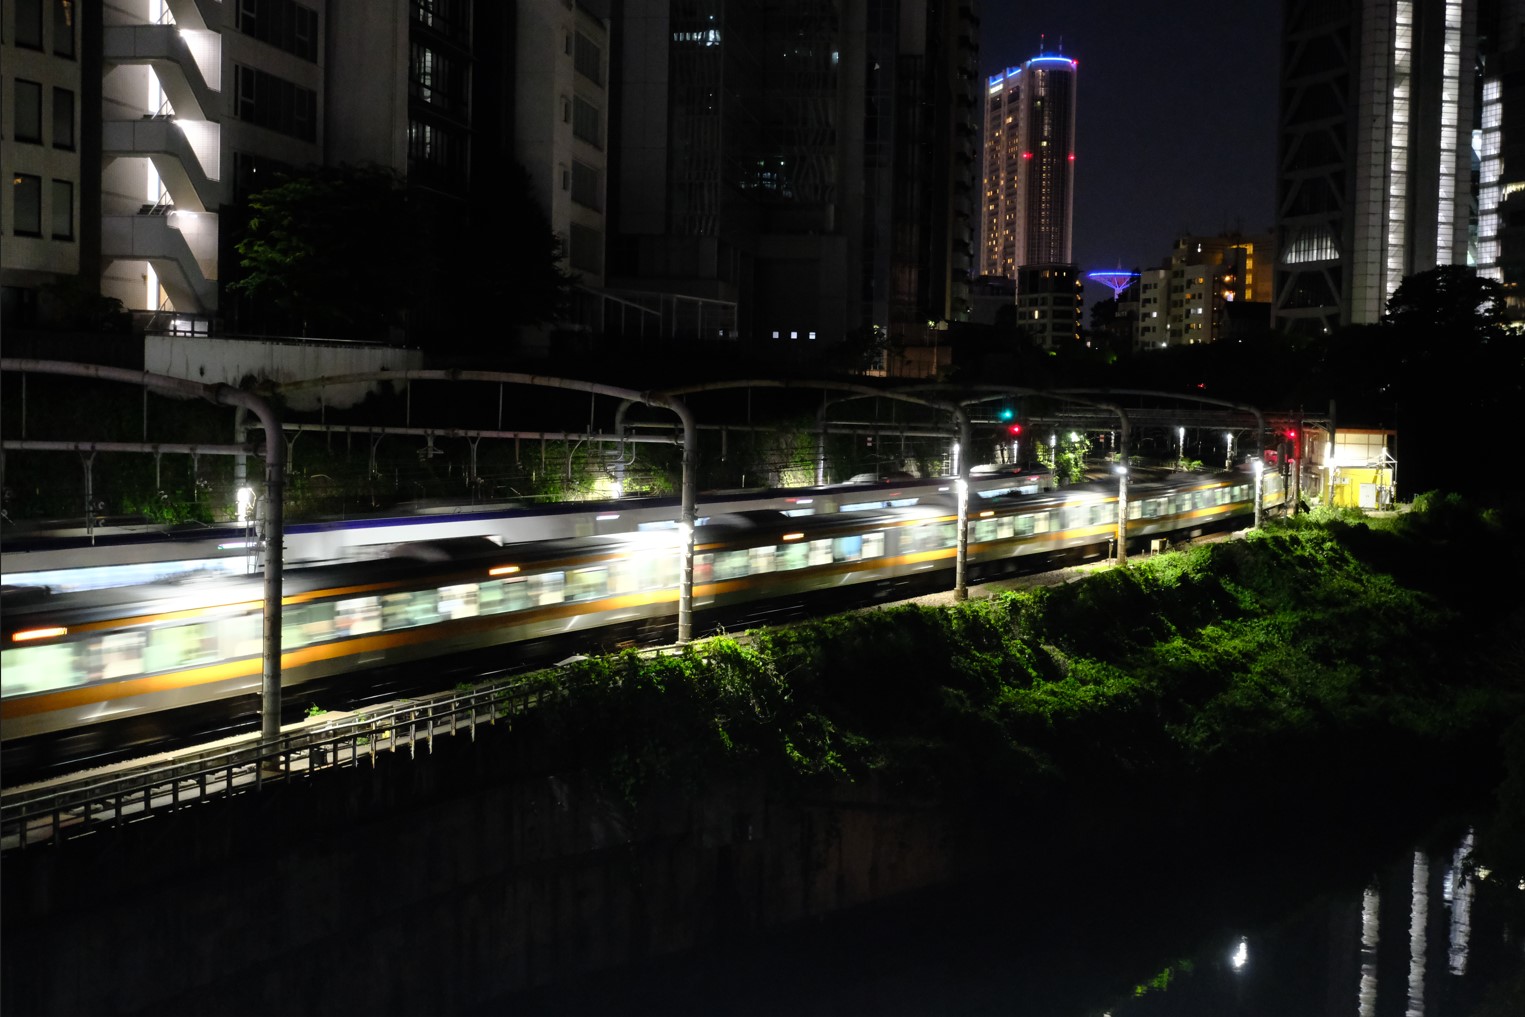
(1046, 181)
(1117, 278)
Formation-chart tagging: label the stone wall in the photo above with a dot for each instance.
(433, 885)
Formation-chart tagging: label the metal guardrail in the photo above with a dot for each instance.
(72, 808)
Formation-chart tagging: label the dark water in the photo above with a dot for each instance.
(1417, 931)
(1430, 932)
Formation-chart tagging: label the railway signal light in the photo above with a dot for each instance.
(1007, 413)
(1014, 429)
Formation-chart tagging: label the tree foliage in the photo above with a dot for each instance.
(352, 252)
(1452, 301)
(330, 248)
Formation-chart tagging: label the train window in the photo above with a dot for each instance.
(731, 564)
(406, 610)
(659, 571)
(984, 529)
(819, 552)
(502, 595)
(791, 556)
(846, 548)
(1022, 526)
(305, 624)
(115, 655)
(28, 669)
(1040, 522)
(547, 588)
(181, 645)
(1135, 510)
(458, 601)
(704, 568)
(925, 538)
(361, 616)
(760, 560)
(241, 635)
(587, 584)
(623, 577)
(873, 544)
(1151, 508)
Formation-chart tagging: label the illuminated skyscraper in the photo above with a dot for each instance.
(1029, 178)
(1375, 177)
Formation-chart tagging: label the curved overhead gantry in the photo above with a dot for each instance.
(275, 475)
(1260, 420)
(626, 395)
(855, 390)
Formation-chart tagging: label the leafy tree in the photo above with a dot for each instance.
(330, 247)
(1452, 300)
(353, 252)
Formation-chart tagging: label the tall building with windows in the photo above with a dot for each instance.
(1029, 193)
(1375, 175)
(1029, 166)
(156, 113)
(791, 174)
(1192, 297)
(560, 106)
(47, 151)
(1500, 141)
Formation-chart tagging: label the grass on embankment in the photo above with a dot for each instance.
(1319, 645)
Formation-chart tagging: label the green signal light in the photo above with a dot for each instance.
(1007, 413)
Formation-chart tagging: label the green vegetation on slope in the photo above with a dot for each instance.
(1317, 643)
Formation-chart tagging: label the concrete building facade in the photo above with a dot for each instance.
(793, 175)
(156, 109)
(1188, 299)
(1375, 175)
(1029, 165)
(1028, 192)
(45, 151)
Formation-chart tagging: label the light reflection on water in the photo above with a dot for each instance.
(1426, 964)
(1371, 907)
(1430, 934)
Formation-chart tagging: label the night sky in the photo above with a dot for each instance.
(1176, 116)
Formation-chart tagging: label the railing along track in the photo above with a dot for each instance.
(78, 806)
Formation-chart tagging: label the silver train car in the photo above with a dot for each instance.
(138, 553)
(72, 660)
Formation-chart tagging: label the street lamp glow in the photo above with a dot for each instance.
(245, 499)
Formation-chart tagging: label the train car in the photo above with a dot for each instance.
(78, 659)
(124, 555)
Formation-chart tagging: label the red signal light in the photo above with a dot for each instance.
(1014, 429)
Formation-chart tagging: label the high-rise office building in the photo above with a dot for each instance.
(1500, 137)
(135, 131)
(1029, 193)
(788, 174)
(1375, 176)
(163, 107)
(1029, 166)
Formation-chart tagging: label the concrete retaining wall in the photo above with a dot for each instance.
(434, 885)
(215, 359)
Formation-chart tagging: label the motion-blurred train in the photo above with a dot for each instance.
(71, 559)
(73, 660)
